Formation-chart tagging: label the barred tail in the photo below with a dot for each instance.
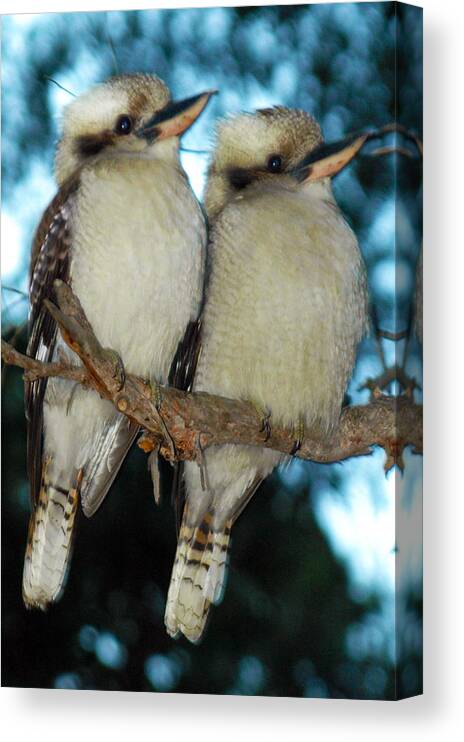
(49, 543)
(198, 577)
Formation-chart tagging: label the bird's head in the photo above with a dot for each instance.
(272, 145)
(128, 115)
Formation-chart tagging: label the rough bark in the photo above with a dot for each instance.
(183, 424)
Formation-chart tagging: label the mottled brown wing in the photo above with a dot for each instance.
(181, 376)
(50, 259)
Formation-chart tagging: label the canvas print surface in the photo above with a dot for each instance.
(212, 345)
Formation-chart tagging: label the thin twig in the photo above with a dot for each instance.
(58, 85)
(38, 370)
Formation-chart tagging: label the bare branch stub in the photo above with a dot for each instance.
(196, 421)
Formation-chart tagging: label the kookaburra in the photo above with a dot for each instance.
(126, 230)
(285, 308)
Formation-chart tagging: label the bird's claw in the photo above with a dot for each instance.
(298, 432)
(265, 417)
(266, 425)
(155, 392)
(117, 367)
(156, 397)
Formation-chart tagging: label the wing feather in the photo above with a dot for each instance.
(50, 259)
(108, 455)
(181, 376)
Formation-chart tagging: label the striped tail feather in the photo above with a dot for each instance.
(198, 576)
(50, 540)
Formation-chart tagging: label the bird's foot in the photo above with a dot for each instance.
(201, 461)
(155, 392)
(265, 417)
(298, 432)
(116, 365)
(157, 398)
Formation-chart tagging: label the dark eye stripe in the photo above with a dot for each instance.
(240, 178)
(90, 145)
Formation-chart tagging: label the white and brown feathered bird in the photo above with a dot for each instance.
(127, 232)
(285, 308)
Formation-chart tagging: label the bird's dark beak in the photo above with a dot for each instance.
(328, 159)
(175, 118)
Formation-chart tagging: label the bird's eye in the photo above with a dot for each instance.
(123, 125)
(274, 164)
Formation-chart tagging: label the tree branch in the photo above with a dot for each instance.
(198, 420)
(38, 370)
